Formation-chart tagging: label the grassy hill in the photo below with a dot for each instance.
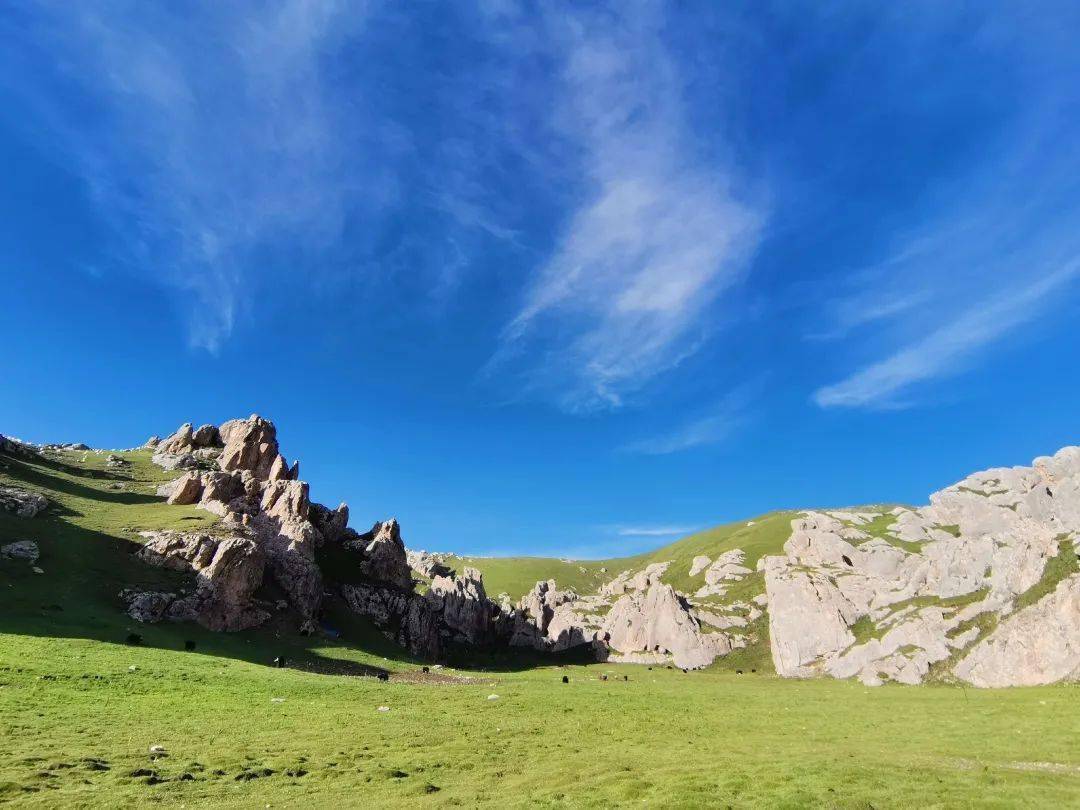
(79, 708)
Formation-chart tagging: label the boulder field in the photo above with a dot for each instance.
(980, 586)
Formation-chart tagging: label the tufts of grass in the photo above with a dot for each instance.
(1063, 565)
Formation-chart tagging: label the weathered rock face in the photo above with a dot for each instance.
(427, 565)
(384, 557)
(405, 617)
(251, 444)
(21, 502)
(1038, 645)
(228, 571)
(252, 489)
(466, 613)
(551, 620)
(659, 622)
(918, 588)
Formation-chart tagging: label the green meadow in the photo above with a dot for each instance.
(80, 708)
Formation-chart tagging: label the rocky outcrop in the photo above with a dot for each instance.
(426, 564)
(895, 604)
(404, 617)
(384, 556)
(251, 488)
(228, 571)
(658, 622)
(1037, 645)
(22, 502)
(466, 614)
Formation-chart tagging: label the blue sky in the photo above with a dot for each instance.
(563, 279)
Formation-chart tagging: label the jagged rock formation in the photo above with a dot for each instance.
(957, 589)
(228, 571)
(929, 589)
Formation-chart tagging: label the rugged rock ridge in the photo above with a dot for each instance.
(962, 588)
(937, 586)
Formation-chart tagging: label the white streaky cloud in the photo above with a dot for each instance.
(944, 351)
(653, 531)
(657, 238)
(211, 140)
(725, 418)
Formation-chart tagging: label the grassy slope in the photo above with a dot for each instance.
(662, 738)
(516, 575)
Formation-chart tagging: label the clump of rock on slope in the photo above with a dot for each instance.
(271, 528)
(937, 586)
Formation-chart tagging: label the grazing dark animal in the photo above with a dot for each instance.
(189, 645)
(626, 677)
(847, 560)
(134, 639)
(566, 679)
(1048, 492)
(685, 671)
(384, 676)
(738, 672)
(603, 677)
(753, 670)
(280, 662)
(427, 669)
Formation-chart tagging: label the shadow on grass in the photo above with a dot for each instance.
(35, 475)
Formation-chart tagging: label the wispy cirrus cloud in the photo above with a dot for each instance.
(203, 138)
(654, 531)
(720, 423)
(656, 238)
(945, 350)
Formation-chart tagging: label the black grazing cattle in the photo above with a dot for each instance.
(566, 679)
(189, 645)
(134, 639)
(280, 662)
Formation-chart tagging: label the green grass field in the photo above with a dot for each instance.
(77, 721)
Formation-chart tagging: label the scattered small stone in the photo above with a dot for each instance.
(384, 708)
(492, 697)
(157, 749)
(277, 700)
(132, 668)
(37, 570)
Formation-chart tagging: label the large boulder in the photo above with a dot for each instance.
(187, 489)
(659, 622)
(21, 502)
(250, 444)
(228, 571)
(21, 550)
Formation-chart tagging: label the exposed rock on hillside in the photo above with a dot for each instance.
(228, 572)
(21, 502)
(927, 588)
(960, 588)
